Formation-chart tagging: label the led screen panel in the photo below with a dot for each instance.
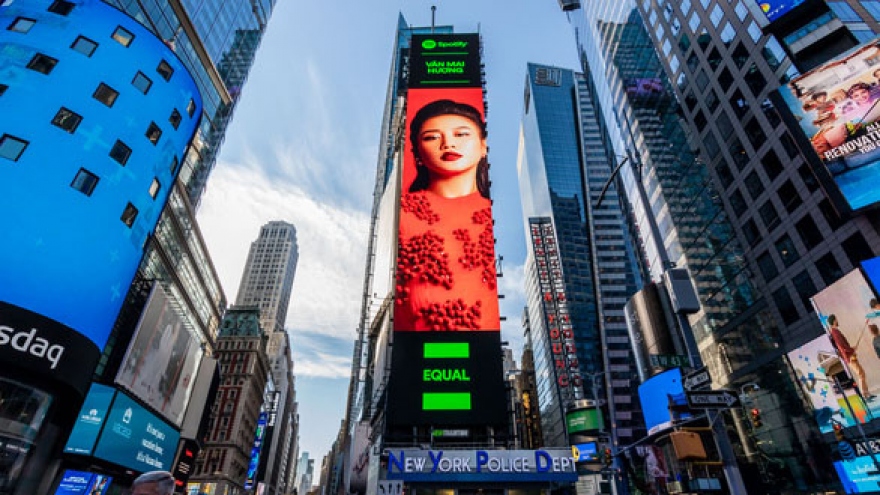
(845, 310)
(135, 438)
(664, 390)
(837, 105)
(161, 363)
(774, 9)
(83, 483)
(91, 417)
(859, 475)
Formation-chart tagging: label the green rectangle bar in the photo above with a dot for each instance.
(446, 401)
(447, 350)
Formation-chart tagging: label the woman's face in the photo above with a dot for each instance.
(450, 145)
(860, 95)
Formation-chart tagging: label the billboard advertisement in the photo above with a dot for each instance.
(90, 420)
(511, 466)
(83, 483)
(445, 279)
(774, 9)
(837, 105)
(136, 438)
(160, 365)
(256, 449)
(74, 229)
(859, 475)
(663, 400)
(849, 311)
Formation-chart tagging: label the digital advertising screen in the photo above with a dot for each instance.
(446, 360)
(837, 105)
(83, 483)
(91, 417)
(859, 475)
(256, 449)
(586, 452)
(849, 311)
(162, 360)
(660, 393)
(774, 9)
(135, 438)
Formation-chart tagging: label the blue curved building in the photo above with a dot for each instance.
(95, 115)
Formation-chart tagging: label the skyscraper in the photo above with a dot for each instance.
(738, 197)
(267, 280)
(581, 266)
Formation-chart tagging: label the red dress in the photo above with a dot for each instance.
(445, 264)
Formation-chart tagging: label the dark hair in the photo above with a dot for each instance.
(435, 109)
(832, 320)
(858, 85)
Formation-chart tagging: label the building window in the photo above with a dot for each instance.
(12, 147)
(165, 70)
(830, 214)
(804, 286)
(84, 182)
(120, 152)
(84, 45)
(767, 266)
(769, 215)
(191, 107)
(750, 232)
(175, 119)
(21, 25)
(129, 215)
(789, 196)
(67, 120)
(155, 186)
(105, 94)
(809, 232)
(174, 163)
(844, 12)
(829, 269)
(42, 63)
(754, 184)
(737, 202)
(123, 36)
(141, 82)
(755, 133)
(3, 89)
(857, 249)
(61, 7)
(808, 178)
(153, 133)
(786, 306)
(787, 252)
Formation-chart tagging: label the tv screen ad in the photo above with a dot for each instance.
(849, 311)
(161, 363)
(663, 400)
(90, 420)
(859, 475)
(774, 9)
(83, 483)
(837, 105)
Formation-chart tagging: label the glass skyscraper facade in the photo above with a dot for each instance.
(581, 265)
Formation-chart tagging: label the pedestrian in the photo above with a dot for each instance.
(848, 355)
(153, 483)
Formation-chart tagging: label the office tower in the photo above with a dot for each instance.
(283, 442)
(580, 267)
(231, 454)
(103, 114)
(783, 229)
(267, 280)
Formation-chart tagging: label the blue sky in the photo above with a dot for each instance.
(303, 146)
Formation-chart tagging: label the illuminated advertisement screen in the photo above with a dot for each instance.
(660, 393)
(446, 360)
(859, 475)
(849, 311)
(83, 195)
(585, 452)
(91, 417)
(774, 9)
(838, 108)
(162, 360)
(135, 438)
(83, 483)
(254, 463)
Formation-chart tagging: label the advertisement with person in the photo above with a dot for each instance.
(837, 105)
(848, 310)
(160, 365)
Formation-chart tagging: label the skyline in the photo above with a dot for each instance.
(282, 161)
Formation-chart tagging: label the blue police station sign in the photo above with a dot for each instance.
(482, 465)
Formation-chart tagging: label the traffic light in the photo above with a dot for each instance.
(838, 432)
(756, 417)
(608, 457)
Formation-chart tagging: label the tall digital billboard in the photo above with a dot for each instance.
(446, 317)
(90, 420)
(850, 313)
(160, 365)
(136, 438)
(837, 105)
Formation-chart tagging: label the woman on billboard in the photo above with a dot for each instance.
(446, 259)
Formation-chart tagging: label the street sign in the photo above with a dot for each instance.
(697, 378)
(669, 360)
(712, 399)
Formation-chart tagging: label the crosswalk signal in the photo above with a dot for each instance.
(838, 432)
(756, 417)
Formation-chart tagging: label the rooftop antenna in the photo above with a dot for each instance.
(433, 12)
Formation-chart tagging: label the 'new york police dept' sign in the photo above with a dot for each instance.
(481, 465)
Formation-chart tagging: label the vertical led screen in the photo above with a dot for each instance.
(837, 105)
(446, 363)
(162, 360)
(850, 313)
(103, 111)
